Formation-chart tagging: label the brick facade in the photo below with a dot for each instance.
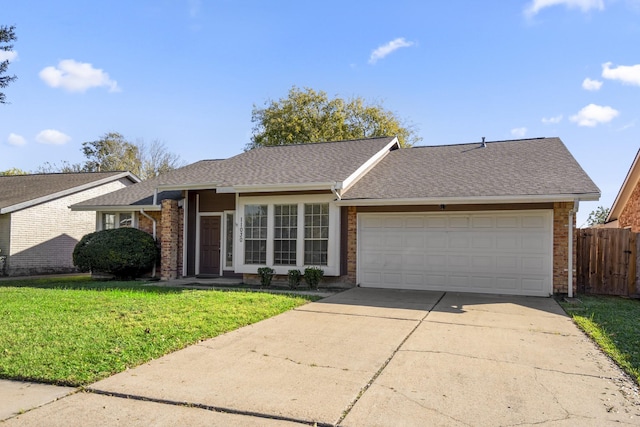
(630, 216)
(169, 236)
(352, 244)
(561, 247)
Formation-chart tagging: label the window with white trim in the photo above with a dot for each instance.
(229, 223)
(316, 233)
(285, 237)
(111, 220)
(255, 228)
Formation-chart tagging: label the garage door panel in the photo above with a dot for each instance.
(504, 252)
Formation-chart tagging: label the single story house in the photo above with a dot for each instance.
(625, 212)
(38, 231)
(494, 217)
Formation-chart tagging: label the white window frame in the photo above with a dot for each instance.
(100, 225)
(333, 256)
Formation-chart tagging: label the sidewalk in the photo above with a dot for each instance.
(17, 396)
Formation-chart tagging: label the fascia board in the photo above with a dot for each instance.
(196, 186)
(367, 166)
(630, 182)
(261, 188)
(116, 208)
(67, 192)
(470, 200)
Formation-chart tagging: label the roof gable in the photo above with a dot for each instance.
(22, 191)
(630, 183)
(541, 167)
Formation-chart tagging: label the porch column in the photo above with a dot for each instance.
(169, 240)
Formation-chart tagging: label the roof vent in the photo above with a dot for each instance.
(484, 144)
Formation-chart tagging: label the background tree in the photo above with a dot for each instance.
(598, 216)
(112, 152)
(7, 35)
(310, 116)
(13, 171)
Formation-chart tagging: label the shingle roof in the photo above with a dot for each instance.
(287, 164)
(19, 190)
(531, 167)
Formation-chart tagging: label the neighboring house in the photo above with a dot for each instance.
(625, 212)
(492, 218)
(38, 231)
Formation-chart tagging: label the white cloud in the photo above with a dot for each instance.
(552, 120)
(194, 7)
(15, 139)
(8, 55)
(628, 74)
(519, 132)
(53, 137)
(593, 114)
(584, 5)
(77, 76)
(388, 48)
(593, 85)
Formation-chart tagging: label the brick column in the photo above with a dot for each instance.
(352, 244)
(561, 247)
(168, 236)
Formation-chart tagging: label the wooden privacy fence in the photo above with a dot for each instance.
(607, 261)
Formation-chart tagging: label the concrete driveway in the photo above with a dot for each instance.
(371, 357)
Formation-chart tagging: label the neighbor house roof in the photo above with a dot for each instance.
(22, 191)
(629, 184)
(518, 169)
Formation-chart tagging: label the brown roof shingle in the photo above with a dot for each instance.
(531, 167)
(22, 189)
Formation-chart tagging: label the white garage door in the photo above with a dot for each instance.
(488, 252)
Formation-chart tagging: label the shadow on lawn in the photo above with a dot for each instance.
(86, 283)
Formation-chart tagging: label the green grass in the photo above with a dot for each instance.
(74, 331)
(614, 324)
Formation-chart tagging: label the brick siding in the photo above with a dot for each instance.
(561, 247)
(630, 216)
(169, 233)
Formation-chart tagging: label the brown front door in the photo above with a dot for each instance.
(210, 245)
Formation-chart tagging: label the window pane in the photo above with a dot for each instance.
(126, 220)
(229, 241)
(285, 232)
(108, 221)
(255, 244)
(316, 233)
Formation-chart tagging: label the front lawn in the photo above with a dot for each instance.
(75, 331)
(614, 324)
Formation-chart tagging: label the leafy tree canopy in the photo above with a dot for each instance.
(13, 171)
(598, 216)
(112, 152)
(7, 35)
(310, 116)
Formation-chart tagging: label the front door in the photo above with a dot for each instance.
(210, 245)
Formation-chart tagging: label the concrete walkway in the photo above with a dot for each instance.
(375, 358)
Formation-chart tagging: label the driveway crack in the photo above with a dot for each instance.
(385, 363)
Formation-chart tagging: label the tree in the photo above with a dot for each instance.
(598, 216)
(111, 153)
(310, 116)
(7, 35)
(13, 172)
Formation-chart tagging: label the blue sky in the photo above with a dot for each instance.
(188, 72)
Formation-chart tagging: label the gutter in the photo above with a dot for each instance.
(470, 200)
(334, 190)
(154, 222)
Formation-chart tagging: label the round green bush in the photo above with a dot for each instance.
(126, 253)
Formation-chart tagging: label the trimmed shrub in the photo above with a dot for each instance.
(266, 274)
(313, 276)
(126, 253)
(294, 277)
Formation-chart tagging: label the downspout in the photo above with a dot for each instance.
(572, 212)
(154, 222)
(155, 196)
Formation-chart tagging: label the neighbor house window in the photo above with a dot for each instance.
(117, 220)
(285, 232)
(255, 228)
(316, 233)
